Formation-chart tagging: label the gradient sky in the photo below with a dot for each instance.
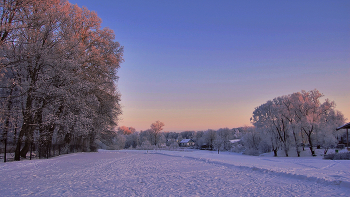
(198, 64)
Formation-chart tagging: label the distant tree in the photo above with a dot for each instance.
(209, 137)
(145, 136)
(198, 139)
(161, 140)
(132, 140)
(155, 130)
(119, 141)
(187, 134)
(225, 135)
(146, 145)
(251, 141)
(126, 130)
(170, 137)
(218, 143)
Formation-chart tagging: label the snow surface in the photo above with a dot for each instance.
(174, 173)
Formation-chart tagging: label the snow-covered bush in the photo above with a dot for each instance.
(251, 141)
(237, 148)
(146, 145)
(338, 156)
(174, 146)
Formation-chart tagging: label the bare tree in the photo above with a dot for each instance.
(156, 128)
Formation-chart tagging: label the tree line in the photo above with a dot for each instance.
(286, 123)
(156, 138)
(58, 71)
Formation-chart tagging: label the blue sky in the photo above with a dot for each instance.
(198, 64)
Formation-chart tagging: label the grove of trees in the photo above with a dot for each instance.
(58, 73)
(294, 121)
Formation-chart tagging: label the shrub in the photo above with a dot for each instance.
(338, 156)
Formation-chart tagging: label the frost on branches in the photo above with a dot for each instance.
(58, 72)
(294, 121)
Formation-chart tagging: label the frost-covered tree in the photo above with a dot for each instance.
(225, 135)
(64, 69)
(187, 134)
(218, 143)
(119, 141)
(251, 141)
(327, 136)
(310, 111)
(264, 121)
(171, 137)
(209, 138)
(198, 139)
(132, 140)
(297, 119)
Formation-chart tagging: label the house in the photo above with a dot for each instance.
(186, 142)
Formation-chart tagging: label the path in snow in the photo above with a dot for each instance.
(135, 173)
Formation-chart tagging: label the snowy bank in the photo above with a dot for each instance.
(311, 168)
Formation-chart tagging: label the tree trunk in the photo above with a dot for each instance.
(275, 152)
(31, 150)
(5, 141)
(325, 150)
(7, 124)
(311, 148)
(19, 144)
(286, 150)
(296, 143)
(308, 133)
(25, 148)
(26, 129)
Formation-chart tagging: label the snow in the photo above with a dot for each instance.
(174, 173)
(235, 141)
(346, 126)
(185, 140)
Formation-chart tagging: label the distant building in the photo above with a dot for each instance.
(186, 143)
(347, 127)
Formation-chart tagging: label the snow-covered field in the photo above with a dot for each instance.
(174, 173)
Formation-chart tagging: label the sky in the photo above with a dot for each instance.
(200, 64)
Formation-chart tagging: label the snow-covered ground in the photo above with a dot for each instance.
(174, 173)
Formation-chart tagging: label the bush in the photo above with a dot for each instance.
(338, 156)
(237, 148)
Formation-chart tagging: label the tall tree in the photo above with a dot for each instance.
(289, 118)
(156, 128)
(65, 67)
